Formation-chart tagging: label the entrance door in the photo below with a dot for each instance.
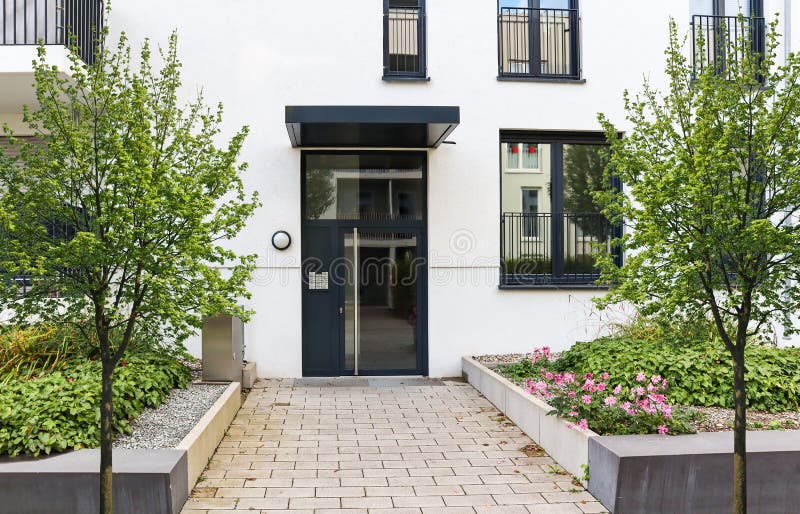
(364, 274)
(381, 302)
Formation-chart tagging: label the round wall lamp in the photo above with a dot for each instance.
(281, 240)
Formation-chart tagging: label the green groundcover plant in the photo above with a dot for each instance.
(61, 410)
(698, 374)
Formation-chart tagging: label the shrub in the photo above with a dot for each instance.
(591, 401)
(699, 373)
(42, 348)
(61, 410)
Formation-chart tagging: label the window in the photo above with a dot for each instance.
(538, 38)
(551, 227)
(365, 186)
(530, 207)
(717, 31)
(404, 39)
(522, 156)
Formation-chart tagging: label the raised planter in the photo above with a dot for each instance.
(154, 481)
(690, 474)
(567, 445)
(693, 473)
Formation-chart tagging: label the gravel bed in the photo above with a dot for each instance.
(166, 425)
(494, 360)
(711, 419)
(718, 419)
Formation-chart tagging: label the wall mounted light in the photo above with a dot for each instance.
(281, 240)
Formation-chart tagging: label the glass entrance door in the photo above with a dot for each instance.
(380, 306)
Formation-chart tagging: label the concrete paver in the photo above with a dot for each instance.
(377, 446)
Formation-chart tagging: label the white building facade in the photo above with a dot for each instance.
(427, 158)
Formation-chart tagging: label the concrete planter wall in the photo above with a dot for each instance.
(204, 438)
(690, 474)
(568, 446)
(693, 473)
(152, 481)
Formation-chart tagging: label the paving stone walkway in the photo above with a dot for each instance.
(374, 446)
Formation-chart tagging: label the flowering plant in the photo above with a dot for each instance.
(590, 401)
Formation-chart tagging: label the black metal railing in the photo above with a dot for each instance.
(53, 22)
(717, 39)
(404, 42)
(552, 248)
(538, 43)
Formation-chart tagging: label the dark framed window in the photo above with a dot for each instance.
(718, 32)
(550, 227)
(538, 39)
(404, 39)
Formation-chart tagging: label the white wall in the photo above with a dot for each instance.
(257, 56)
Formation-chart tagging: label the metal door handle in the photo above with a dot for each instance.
(356, 281)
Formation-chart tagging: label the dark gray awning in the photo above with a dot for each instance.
(389, 126)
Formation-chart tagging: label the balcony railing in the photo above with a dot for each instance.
(552, 248)
(53, 22)
(716, 39)
(538, 43)
(404, 42)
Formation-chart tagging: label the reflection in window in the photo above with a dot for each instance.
(551, 226)
(530, 206)
(522, 156)
(364, 186)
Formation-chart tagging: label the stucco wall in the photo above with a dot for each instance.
(256, 57)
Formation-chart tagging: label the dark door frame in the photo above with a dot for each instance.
(337, 228)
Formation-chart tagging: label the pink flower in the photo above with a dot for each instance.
(618, 390)
(611, 400)
(569, 378)
(651, 388)
(657, 398)
(639, 391)
(587, 399)
(573, 413)
(656, 379)
(558, 378)
(571, 393)
(601, 386)
(605, 375)
(548, 376)
(588, 375)
(641, 377)
(666, 410)
(662, 429)
(582, 424)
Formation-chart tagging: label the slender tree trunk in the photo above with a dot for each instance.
(739, 434)
(106, 416)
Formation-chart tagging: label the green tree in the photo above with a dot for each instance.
(712, 171)
(584, 168)
(145, 199)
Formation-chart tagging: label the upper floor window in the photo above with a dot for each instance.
(550, 227)
(719, 34)
(538, 38)
(404, 39)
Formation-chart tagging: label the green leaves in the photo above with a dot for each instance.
(699, 373)
(712, 170)
(60, 411)
(149, 193)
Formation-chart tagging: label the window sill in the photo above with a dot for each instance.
(554, 80)
(391, 78)
(553, 287)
